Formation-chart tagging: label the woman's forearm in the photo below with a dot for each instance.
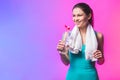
(65, 58)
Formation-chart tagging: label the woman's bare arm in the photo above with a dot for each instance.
(65, 58)
(100, 47)
(63, 51)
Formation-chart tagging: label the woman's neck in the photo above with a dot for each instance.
(83, 30)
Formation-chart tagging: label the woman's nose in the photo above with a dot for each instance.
(76, 19)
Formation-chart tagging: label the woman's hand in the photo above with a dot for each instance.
(98, 54)
(61, 47)
(63, 50)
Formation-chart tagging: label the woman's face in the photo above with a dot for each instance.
(80, 18)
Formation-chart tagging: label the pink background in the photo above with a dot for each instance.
(31, 29)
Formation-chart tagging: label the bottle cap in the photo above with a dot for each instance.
(67, 27)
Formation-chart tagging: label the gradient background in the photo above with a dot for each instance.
(31, 29)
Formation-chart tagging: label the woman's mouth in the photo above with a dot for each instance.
(77, 23)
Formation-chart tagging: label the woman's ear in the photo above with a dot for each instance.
(89, 16)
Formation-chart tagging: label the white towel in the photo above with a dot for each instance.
(75, 42)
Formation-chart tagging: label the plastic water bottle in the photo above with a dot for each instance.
(65, 36)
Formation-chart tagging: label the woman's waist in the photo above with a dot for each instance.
(82, 70)
(82, 65)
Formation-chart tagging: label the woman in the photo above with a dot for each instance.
(82, 65)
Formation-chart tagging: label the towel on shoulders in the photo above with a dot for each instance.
(75, 42)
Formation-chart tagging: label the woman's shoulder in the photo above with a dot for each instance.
(99, 36)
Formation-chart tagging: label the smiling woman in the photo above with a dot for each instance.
(84, 48)
(82, 15)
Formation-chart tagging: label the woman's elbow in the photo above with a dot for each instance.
(66, 63)
(101, 61)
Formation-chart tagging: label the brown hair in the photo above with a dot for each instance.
(87, 10)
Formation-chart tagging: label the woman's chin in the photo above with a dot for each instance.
(78, 25)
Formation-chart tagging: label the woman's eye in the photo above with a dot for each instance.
(73, 15)
(79, 15)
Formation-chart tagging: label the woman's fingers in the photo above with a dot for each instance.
(98, 54)
(61, 42)
(61, 45)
